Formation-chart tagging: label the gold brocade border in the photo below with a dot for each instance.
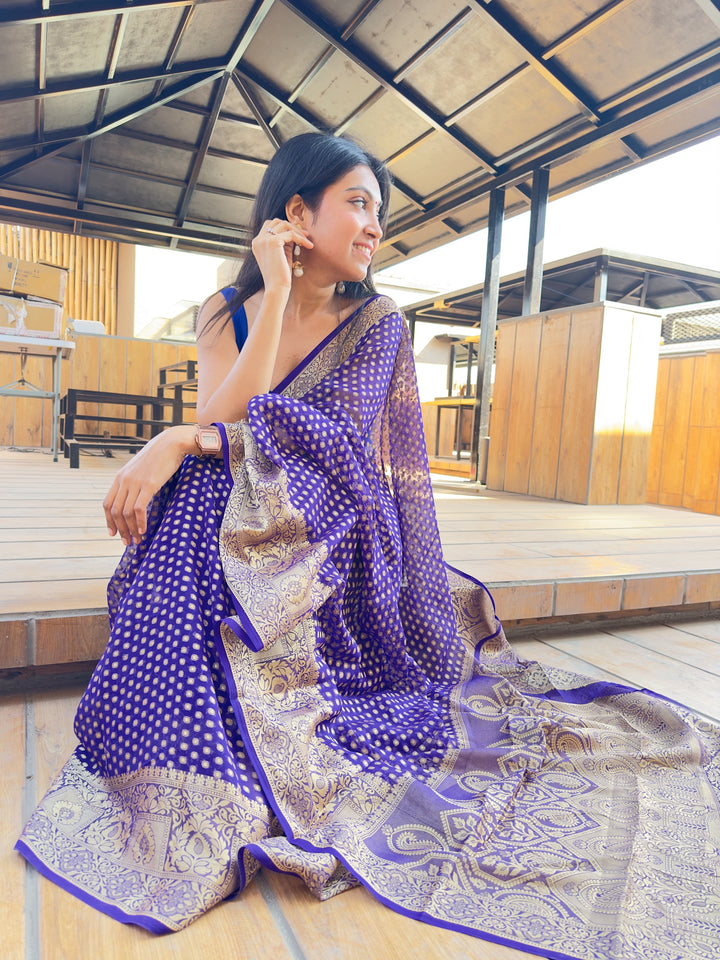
(156, 843)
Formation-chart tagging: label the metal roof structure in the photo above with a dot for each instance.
(584, 278)
(152, 121)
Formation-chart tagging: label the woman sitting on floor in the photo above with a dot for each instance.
(296, 680)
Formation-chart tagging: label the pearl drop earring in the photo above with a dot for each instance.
(297, 267)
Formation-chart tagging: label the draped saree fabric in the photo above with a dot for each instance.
(296, 680)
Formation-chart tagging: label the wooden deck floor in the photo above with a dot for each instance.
(276, 917)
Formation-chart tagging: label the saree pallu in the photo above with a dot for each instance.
(295, 680)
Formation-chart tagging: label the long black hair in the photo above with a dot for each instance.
(305, 165)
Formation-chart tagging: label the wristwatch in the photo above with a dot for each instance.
(208, 441)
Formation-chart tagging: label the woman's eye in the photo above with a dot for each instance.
(361, 201)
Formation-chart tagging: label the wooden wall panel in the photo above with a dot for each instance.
(502, 388)
(677, 421)
(707, 473)
(658, 430)
(610, 399)
(522, 406)
(694, 453)
(552, 370)
(639, 408)
(117, 364)
(686, 431)
(579, 405)
(7, 404)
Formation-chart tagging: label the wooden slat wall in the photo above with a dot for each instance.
(573, 404)
(120, 364)
(684, 466)
(91, 292)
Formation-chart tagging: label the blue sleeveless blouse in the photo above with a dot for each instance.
(239, 318)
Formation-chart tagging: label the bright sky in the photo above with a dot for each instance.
(668, 209)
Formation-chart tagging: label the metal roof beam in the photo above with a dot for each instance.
(711, 9)
(555, 75)
(201, 152)
(705, 55)
(582, 29)
(616, 127)
(118, 119)
(359, 18)
(373, 69)
(432, 45)
(226, 235)
(243, 40)
(85, 85)
(244, 92)
(313, 122)
(87, 8)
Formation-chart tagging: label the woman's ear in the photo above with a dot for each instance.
(296, 209)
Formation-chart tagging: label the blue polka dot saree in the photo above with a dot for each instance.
(295, 680)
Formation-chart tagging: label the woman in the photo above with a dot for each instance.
(295, 680)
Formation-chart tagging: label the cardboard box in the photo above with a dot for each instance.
(21, 278)
(30, 318)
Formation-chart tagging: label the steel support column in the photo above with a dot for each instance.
(486, 346)
(532, 291)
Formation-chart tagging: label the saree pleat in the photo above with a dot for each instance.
(296, 680)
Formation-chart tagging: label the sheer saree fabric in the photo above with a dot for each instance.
(296, 680)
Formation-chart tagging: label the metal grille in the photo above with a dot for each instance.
(701, 324)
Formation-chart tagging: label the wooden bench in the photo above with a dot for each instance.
(154, 421)
(176, 379)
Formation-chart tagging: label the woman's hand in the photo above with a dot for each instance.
(140, 479)
(273, 250)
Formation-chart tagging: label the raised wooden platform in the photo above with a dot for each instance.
(545, 562)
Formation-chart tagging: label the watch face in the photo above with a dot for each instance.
(208, 439)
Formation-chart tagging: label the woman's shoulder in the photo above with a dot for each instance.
(380, 305)
(217, 311)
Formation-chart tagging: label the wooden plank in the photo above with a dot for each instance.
(7, 404)
(579, 405)
(675, 643)
(82, 568)
(652, 670)
(707, 479)
(672, 475)
(28, 410)
(658, 430)
(13, 644)
(610, 399)
(522, 405)
(639, 408)
(694, 434)
(325, 931)
(52, 595)
(139, 367)
(499, 413)
(12, 785)
(547, 427)
(112, 361)
(85, 373)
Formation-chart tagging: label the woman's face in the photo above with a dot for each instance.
(345, 228)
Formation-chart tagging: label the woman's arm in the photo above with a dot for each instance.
(227, 381)
(140, 479)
